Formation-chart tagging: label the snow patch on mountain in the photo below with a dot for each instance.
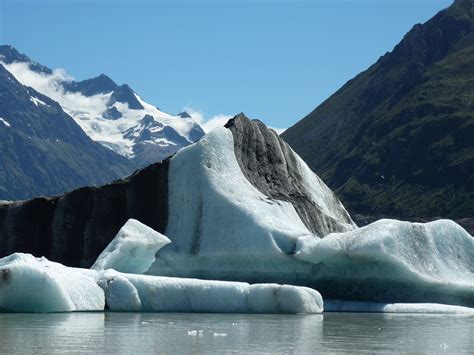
(37, 101)
(5, 122)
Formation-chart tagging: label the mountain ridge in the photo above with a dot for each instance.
(106, 111)
(43, 150)
(394, 140)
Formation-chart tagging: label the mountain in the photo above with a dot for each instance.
(397, 140)
(43, 151)
(112, 115)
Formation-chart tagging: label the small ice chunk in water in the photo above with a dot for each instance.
(29, 284)
(132, 250)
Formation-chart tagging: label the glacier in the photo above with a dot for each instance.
(29, 284)
(132, 250)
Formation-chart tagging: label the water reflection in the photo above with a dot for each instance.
(185, 333)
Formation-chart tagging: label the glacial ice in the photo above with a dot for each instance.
(29, 284)
(223, 228)
(128, 292)
(219, 221)
(394, 261)
(369, 307)
(132, 250)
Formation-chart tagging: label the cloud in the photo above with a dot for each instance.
(279, 130)
(51, 85)
(207, 123)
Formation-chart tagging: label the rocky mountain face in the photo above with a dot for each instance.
(43, 151)
(397, 140)
(190, 197)
(110, 114)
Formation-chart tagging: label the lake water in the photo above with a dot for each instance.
(189, 333)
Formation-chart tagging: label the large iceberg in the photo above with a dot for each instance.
(127, 292)
(29, 284)
(132, 250)
(223, 227)
(241, 206)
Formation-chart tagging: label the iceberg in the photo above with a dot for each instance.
(240, 207)
(223, 227)
(132, 250)
(393, 261)
(368, 307)
(127, 292)
(29, 284)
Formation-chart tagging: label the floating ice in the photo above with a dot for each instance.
(127, 292)
(132, 250)
(432, 308)
(219, 223)
(393, 261)
(29, 284)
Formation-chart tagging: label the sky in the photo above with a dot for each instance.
(273, 60)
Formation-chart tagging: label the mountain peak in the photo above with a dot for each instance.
(184, 114)
(402, 127)
(98, 85)
(125, 94)
(9, 54)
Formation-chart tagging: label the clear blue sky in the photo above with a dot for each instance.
(273, 60)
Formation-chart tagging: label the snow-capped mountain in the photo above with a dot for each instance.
(112, 115)
(42, 150)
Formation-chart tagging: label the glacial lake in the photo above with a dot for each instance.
(190, 333)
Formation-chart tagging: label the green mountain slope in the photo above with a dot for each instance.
(398, 139)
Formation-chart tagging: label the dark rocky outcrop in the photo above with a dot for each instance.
(272, 167)
(397, 139)
(8, 54)
(126, 95)
(74, 228)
